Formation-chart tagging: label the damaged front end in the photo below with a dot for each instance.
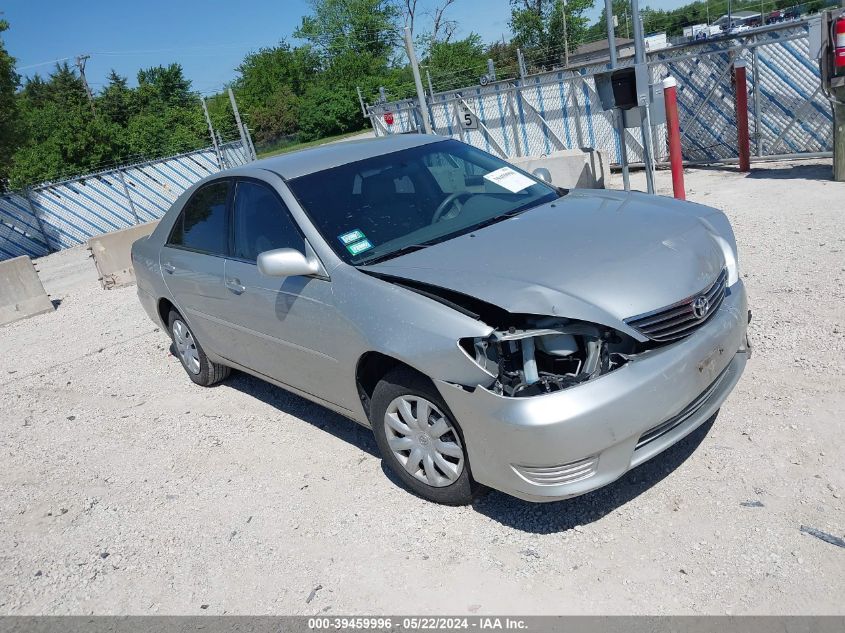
(538, 355)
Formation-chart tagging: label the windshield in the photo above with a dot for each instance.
(387, 205)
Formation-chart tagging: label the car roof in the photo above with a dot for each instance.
(308, 161)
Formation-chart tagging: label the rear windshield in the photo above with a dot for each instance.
(383, 206)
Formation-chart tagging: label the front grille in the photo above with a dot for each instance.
(690, 410)
(680, 319)
(556, 475)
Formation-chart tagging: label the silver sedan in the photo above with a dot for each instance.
(491, 329)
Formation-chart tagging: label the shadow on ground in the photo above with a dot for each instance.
(305, 410)
(538, 518)
(811, 171)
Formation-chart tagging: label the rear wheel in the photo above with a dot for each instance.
(420, 440)
(190, 353)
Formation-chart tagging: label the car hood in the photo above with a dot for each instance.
(597, 256)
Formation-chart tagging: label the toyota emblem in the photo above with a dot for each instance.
(700, 307)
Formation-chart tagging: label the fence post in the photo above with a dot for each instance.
(673, 125)
(246, 147)
(50, 247)
(756, 71)
(211, 131)
(741, 100)
(128, 197)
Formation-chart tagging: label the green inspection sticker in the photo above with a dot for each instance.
(359, 247)
(353, 236)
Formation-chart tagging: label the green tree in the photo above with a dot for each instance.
(456, 64)
(9, 130)
(538, 25)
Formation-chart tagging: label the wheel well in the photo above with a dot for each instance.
(164, 308)
(372, 367)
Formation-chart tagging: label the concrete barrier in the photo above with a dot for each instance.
(571, 168)
(21, 292)
(111, 253)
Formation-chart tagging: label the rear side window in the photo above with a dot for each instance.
(202, 225)
(261, 222)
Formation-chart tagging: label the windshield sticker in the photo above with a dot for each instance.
(352, 236)
(509, 179)
(357, 248)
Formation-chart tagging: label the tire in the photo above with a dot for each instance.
(190, 353)
(436, 456)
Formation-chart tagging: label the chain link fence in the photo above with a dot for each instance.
(557, 110)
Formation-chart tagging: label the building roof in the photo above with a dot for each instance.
(600, 46)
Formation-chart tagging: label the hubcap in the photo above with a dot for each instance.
(186, 346)
(424, 441)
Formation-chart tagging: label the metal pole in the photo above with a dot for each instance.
(741, 100)
(839, 135)
(491, 70)
(618, 123)
(521, 60)
(128, 197)
(412, 56)
(756, 73)
(361, 101)
(565, 38)
(241, 130)
(639, 57)
(430, 85)
(211, 131)
(673, 127)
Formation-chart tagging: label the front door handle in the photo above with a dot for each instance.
(235, 286)
(169, 268)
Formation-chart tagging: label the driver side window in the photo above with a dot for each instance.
(261, 222)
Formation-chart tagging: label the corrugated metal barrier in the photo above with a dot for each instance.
(60, 215)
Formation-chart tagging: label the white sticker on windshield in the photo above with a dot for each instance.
(509, 179)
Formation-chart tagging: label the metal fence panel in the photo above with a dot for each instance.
(561, 110)
(64, 214)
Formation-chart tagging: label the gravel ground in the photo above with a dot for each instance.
(125, 489)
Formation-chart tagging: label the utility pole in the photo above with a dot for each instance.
(617, 114)
(521, 60)
(645, 125)
(412, 56)
(565, 38)
(80, 64)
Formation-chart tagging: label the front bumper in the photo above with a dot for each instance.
(559, 445)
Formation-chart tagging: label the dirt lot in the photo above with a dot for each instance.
(124, 488)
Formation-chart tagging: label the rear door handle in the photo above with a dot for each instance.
(235, 286)
(169, 268)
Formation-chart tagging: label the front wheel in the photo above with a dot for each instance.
(419, 439)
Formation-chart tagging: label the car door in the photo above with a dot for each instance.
(192, 260)
(284, 327)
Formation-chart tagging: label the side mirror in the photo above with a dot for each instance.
(286, 262)
(543, 174)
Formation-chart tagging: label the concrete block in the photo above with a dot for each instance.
(571, 168)
(112, 254)
(21, 292)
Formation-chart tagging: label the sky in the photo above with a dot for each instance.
(209, 38)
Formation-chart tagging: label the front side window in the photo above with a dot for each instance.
(201, 226)
(261, 222)
(380, 207)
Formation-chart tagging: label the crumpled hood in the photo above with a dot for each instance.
(598, 256)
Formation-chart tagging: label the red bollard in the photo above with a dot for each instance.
(741, 98)
(673, 126)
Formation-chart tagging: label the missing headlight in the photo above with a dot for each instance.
(547, 355)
